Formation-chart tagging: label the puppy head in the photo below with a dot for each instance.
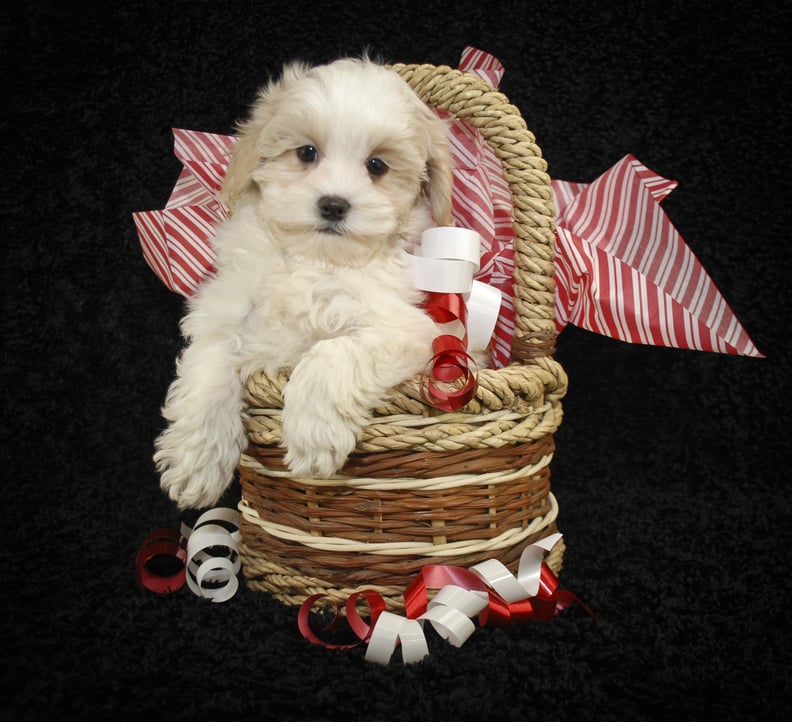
(344, 162)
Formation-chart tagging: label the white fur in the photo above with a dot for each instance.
(336, 305)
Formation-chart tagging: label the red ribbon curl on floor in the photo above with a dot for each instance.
(548, 601)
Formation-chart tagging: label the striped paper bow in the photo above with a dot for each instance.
(177, 241)
(622, 269)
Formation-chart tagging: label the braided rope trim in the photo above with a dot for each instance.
(455, 432)
(471, 99)
(289, 586)
(518, 387)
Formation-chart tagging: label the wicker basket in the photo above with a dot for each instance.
(425, 486)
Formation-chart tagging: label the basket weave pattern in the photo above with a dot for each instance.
(425, 486)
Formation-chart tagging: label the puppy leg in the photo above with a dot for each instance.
(199, 450)
(333, 389)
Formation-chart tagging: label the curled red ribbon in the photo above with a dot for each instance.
(167, 559)
(451, 382)
(548, 601)
(167, 546)
(361, 629)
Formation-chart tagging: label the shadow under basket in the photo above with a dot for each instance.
(425, 486)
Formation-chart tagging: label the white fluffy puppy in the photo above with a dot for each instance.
(335, 175)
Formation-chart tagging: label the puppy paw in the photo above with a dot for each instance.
(315, 447)
(194, 475)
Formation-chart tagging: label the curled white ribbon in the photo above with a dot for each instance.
(526, 584)
(391, 629)
(483, 307)
(449, 613)
(208, 575)
(451, 610)
(445, 261)
(453, 607)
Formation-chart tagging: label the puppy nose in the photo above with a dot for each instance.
(333, 208)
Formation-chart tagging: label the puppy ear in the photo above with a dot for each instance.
(244, 159)
(245, 155)
(439, 182)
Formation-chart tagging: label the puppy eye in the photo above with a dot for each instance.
(307, 153)
(376, 166)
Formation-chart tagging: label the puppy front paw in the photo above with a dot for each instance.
(316, 447)
(194, 475)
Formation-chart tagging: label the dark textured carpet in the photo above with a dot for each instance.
(673, 467)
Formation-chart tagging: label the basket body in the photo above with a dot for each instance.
(424, 486)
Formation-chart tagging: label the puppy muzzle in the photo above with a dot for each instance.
(332, 210)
